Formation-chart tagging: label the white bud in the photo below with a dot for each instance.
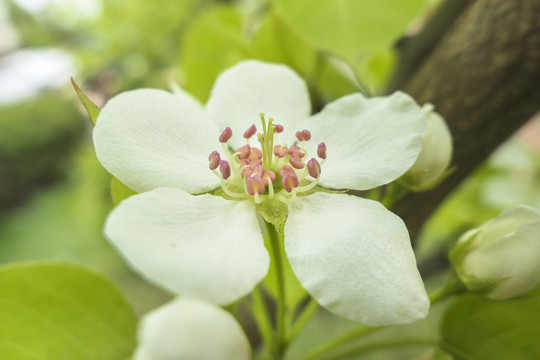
(191, 329)
(435, 156)
(501, 258)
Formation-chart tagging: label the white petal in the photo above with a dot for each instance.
(369, 142)
(244, 91)
(191, 329)
(201, 246)
(355, 258)
(152, 138)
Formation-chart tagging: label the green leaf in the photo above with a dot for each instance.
(214, 42)
(476, 328)
(119, 191)
(62, 311)
(91, 108)
(352, 29)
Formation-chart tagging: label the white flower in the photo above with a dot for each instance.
(501, 257)
(435, 156)
(191, 329)
(351, 254)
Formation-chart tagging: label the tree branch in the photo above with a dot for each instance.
(484, 78)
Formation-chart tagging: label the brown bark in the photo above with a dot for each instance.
(484, 78)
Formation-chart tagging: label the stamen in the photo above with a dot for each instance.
(278, 128)
(268, 177)
(243, 152)
(314, 168)
(296, 161)
(214, 160)
(254, 185)
(250, 131)
(321, 150)
(225, 169)
(286, 170)
(289, 182)
(306, 135)
(280, 151)
(294, 149)
(225, 135)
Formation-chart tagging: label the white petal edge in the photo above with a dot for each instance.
(191, 329)
(199, 246)
(151, 138)
(252, 87)
(370, 141)
(355, 258)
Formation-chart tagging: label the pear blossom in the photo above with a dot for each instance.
(191, 329)
(204, 178)
(500, 258)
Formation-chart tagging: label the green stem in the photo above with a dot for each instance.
(343, 339)
(262, 318)
(454, 287)
(304, 317)
(279, 344)
(380, 345)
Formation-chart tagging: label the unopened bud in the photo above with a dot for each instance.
(500, 258)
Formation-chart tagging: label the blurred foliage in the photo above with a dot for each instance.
(36, 140)
(339, 47)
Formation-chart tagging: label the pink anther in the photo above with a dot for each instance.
(299, 136)
(246, 172)
(255, 184)
(268, 176)
(289, 182)
(250, 132)
(314, 168)
(306, 135)
(214, 159)
(255, 154)
(243, 152)
(321, 150)
(294, 149)
(258, 170)
(225, 135)
(280, 151)
(278, 128)
(225, 169)
(286, 170)
(296, 161)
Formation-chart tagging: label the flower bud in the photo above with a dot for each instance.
(434, 159)
(501, 257)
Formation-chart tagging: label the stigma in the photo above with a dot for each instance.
(268, 170)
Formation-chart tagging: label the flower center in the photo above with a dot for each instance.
(273, 171)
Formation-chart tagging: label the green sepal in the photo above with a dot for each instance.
(92, 109)
(273, 212)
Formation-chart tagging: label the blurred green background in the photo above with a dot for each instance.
(54, 194)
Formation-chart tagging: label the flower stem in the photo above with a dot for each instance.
(279, 343)
(453, 287)
(385, 344)
(260, 313)
(343, 339)
(304, 317)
